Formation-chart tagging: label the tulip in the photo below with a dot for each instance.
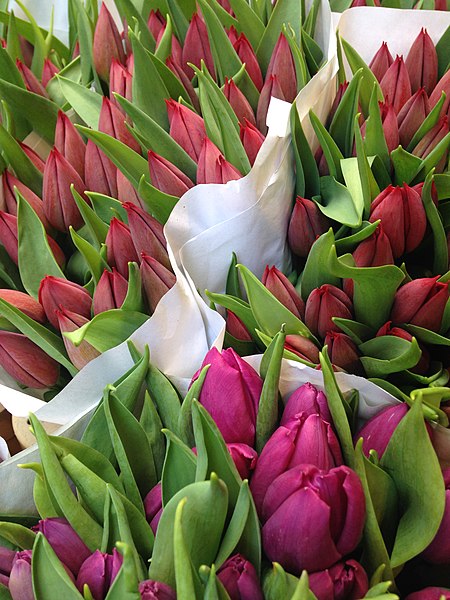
(213, 166)
(196, 47)
(153, 506)
(32, 83)
(282, 65)
(247, 55)
(186, 128)
(20, 580)
(68, 546)
(27, 304)
(112, 122)
(412, 115)
(381, 62)
(306, 224)
(56, 293)
(229, 374)
(9, 183)
(431, 139)
(270, 88)
(125, 190)
(156, 23)
(422, 63)
(232, 35)
(175, 47)
(399, 208)
(430, 593)
(120, 82)
(324, 509)
(438, 552)
(238, 102)
(110, 292)
(177, 69)
(244, 458)
(342, 88)
(120, 247)
(147, 234)
(343, 581)
(156, 590)
(240, 579)
(98, 572)
(69, 142)
(26, 362)
(33, 156)
(279, 285)
(100, 173)
(421, 302)
(236, 328)
(343, 352)
(395, 84)
(59, 205)
(304, 439)
(166, 176)
(302, 347)
(443, 85)
(251, 139)
(83, 353)
(390, 125)
(378, 430)
(48, 72)
(156, 279)
(309, 400)
(322, 305)
(107, 44)
(7, 557)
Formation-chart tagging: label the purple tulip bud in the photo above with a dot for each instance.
(430, 593)
(412, 115)
(252, 140)
(213, 166)
(282, 65)
(343, 352)
(20, 579)
(236, 328)
(9, 183)
(271, 88)
(230, 374)
(98, 572)
(112, 122)
(68, 546)
(27, 304)
(120, 82)
(381, 62)
(153, 506)
(196, 47)
(438, 552)
(83, 353)
(57, 292)
(26, 362)
(343, 581)
(238, 102)
(156, 590)
(147, 234)
(309, 400)
(107, 43)
(240, 579)
(7, 557)
(166, 176)
(307, 223)
(422, 63)
(378, 430)
(244, 458)
(279, 285)
(69, 142)
(421, 302)
(120, 247)
(156, 279)
(110, 292)
(325, 508)
(186, 128)
(100, 173)
(302, 347)
(30, 80)
(49, 70)
(305, 439)
(322, 305)
(395, 84)
(247, 55)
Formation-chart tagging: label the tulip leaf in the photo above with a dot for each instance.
(50, 579)
(85, 41)
(214, 589)
(278, 584)
(17, 534)
(338, 202)
(106, 207)
(341, 128)
(316, 271)
(96, 227)
(185, 427)
(269, 313)
(158, 204)
(9, 273)
(94, 260)
(406, 165)
(175, 88)
(225, 17)
(126, 584)
(203, 517)
(151, 424)
(388, 354)
(4, 593)
(301, 68)
(179, 467)
(179, 20)
(369, 188)
(357, 331)
(236, 527)
(267, 339)
(307, 173)
(428, 337)
(164, 49)
(86, 527)
(184, 574)
(233, 285)
(248, 21)
(239, 307)
(349, 243)
(440, 262)
(130, 14)
(312, 50)
(85, 102)
(41, 494)
(331, 151)
(374, 140)
(411, 461)
(25, 170)
(9, 70)
(428, 123)
(432, 159)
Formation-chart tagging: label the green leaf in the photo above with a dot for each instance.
(126, 585)
(185, 428)
(85, 40)
(442, 49)
(349, 243)
(316, 271)
(374, 140)
(184, 574)
(85, 102)
(179, 467)
(9, 70)
(369, 188)
(25, 170)
(164, 49)
(130, 14)
(341, 128)
(158, 204)
(164, 396)
(430, 121)
(406, 165)
(93, 259)
(411, 461)
(433, 158)
(175, 88)
(307, 173)
(388, 354)
(331, 151)
(17, 534)
(39, 50)
(357, 331)
(440, 262)
(151, 424)
(248, 21)
(302, 591)
(239, 307)
(278, 584)
(336, 200)
(106, 207)
(313, 52)
(96, 227)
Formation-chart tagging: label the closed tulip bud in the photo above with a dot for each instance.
(364, 3)
(395, 84)
(69, 142)
(378, 430)
(156, 23)
(56, 293)
(282, 65)
(308, 400)
(156, 279)
(247, 55)
(251, 139)
(302, 347)
(66, 543)
(156, 590)
(110, 292)
(83, 353)
(98, 572)
(307, 223)
(322, 305)
(329, 509)
(270, 88)
(244, 458)
(166, 176)
(438, 552)
(177, 69)
(390, 126)
(7, 557)
(147, 234)
(342, 88)
(175, 47)
(412, 115)
(27, 304)
(196, 47)
(32, 83)
(125, 190)
(33, 156)
(343, 352)
(59, 205)
(430, 593)
(443, 85)
(236, 419)
(421, 302)
(279, 285)
(238, 102)
(304, 439)
(344, 580)
(48, 72)
(213, 167)
(20, 580)
(422, 63)
(431, 139)
(232, 34)
(397, 208)
(240, 579)
(120, 82)
(9, 183)
(153, 506)
(112, 122)
(186, 128)
(381, 62)
(8, 235)
(120, 247)
(26, 362)
(107, 44)
(236, 328)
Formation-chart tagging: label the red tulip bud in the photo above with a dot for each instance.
(9, 183)
(112, 122)
(343, 352)
(412, 115)
(166, 176)
(99, 172)
(213, 166)
(156, 23)
(282, 65)
(270, 88)
(390, 125)
(82, 354)
(307, 223)
(431, 139)
(337, 100)
(147, 234)
(196, 47)
(322, 305)
(177, 69)
(239, 102)
(32, 83)
(395, 84)
(69, 142)
(232, 34)
(421, 302)
(175, 48)
(33, 156)
(110, 292)
(443, 85)
(186, 128)
(126, 191)
(378, 430)
(247, 55)
(156, 279)
(120, 247)
(381, 62)
(422, 63)
(27, 304)
(251, 139)
(120, 82)
(279, 285)
(236, 328)
(107, 43)
(48, 72)
(56, 293)
(302, 347)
